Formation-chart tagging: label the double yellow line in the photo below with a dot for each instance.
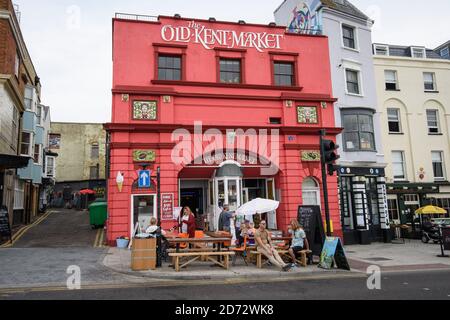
(100, 239)
(19, 234)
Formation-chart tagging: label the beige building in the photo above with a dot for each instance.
(81, 155)
(413, 85)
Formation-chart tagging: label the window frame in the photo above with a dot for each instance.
(442, 162)
(93, 147)
(169, 55)
(425, 82)
(358, 113)
(385, 47)
(359, 83)
(447, 49)
(97, 168)
(39, 115)
(399, 121)
(438, 125)
(403, 163)
(47, 167)
(241, 79)
(38, 148)
(28, 89)
(30, 144)
(395, 81)
(354, 39)
(311, 190)
(422, 50)
(293, 75)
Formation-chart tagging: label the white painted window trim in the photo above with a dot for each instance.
(47, 167)
(405, 172)
(40, 146)
(355, 34)
(399, 119)
(444, 177)
(433, 74)
(424, 52)
(397, 87)
(155, 206)
(375, 46)
(30, 146)
(354, 66)
(438, 121)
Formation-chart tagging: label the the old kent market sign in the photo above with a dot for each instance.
(208, 38)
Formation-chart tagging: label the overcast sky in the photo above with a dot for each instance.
(70, 40)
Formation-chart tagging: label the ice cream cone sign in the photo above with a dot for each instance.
(120, 179)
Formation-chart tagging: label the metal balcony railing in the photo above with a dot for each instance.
(136, 17)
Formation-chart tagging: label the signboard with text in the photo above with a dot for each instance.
(194, 32)
(167, 209)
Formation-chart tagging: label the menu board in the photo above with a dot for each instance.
(310, 218)
(167, 200)
(5, 228)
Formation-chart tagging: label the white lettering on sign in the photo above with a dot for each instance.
(208, 38)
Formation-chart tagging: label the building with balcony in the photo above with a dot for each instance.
(413, 85)
(228, 112)
(362, 185)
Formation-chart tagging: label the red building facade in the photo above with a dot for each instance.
(227, 111)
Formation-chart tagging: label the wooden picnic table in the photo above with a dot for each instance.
(215, 241)
(196, 255)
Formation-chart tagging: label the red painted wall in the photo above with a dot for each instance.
(199, 97)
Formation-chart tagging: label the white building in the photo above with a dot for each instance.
(414, 94)
(363, 200)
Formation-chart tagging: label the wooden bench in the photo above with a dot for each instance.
(302, 261)
(194, 256)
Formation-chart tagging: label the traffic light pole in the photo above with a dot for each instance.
(324, 182)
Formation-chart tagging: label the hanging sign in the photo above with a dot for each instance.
(210, 38)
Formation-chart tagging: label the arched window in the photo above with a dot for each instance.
(310, 192)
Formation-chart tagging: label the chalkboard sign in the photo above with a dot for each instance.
(310, 218)
(446, 238)
(5, 228)
(333, 252)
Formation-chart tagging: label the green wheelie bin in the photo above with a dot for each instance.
(98, 214)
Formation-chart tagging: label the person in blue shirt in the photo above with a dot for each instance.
(299, 240)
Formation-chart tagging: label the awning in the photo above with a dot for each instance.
(13, 162)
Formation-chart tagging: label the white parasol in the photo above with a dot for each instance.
(258, 206)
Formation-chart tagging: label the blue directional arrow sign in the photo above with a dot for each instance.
(145, 179)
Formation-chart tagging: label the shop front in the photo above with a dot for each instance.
(364, 211)
(224, 120)
(405, 198)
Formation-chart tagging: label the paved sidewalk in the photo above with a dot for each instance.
(119, 260)
(413, 255)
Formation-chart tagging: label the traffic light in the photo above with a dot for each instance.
(329, 155)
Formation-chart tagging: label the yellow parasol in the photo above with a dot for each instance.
(431, 210)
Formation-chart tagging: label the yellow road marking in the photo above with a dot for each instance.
(23, 230)
(97, 237)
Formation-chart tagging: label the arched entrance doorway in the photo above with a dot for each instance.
(206, 189)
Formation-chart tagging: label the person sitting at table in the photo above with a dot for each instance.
(153, 229)
(299, 240)
(264, 246)
(245, 228)
(187, 223)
